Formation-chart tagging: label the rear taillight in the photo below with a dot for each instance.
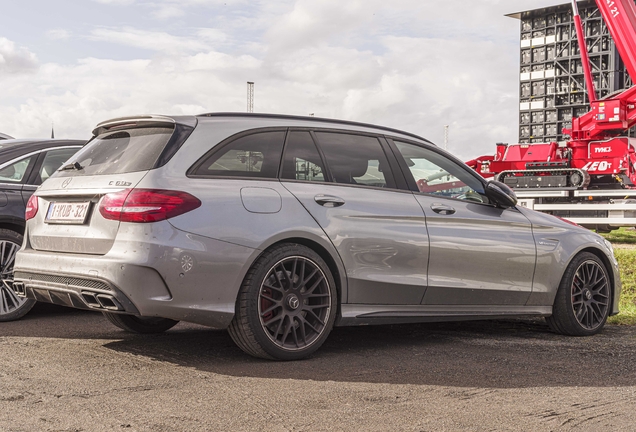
(146, 205)
(31, 208)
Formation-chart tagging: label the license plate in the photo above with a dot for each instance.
(67, 212)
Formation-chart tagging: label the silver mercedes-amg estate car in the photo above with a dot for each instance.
(279, 228)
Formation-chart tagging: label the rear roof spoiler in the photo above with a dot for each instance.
(143, 121)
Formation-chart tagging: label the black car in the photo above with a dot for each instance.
(24, 165)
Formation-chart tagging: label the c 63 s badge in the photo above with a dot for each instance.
(119, 183)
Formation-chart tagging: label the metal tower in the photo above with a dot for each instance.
(552, 86)
(250, 96)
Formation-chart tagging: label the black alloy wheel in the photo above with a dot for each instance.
(294, 303)
(287, 305)
(582, 303)
(590, 295)
(12, 307)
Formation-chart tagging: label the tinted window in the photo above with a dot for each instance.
(302, 161)
(120, 152)
(14, 173)
(255, 155)
(435, 174)
(356, 159)
(53, 159)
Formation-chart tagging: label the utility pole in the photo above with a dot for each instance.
(250, 97)
(446, 137)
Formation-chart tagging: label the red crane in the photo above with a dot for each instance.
(598, 156)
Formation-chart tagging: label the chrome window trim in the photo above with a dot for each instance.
(19, 158)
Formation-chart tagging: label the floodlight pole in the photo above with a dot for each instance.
(446, 127)
(250, 97)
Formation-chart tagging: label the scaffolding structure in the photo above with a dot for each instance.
(551, 82)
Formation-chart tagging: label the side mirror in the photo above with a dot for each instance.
(501, 194)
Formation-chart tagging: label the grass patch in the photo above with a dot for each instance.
(627, 264)
(622, 239)
(622, 236)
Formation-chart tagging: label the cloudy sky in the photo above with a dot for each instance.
(416, 65)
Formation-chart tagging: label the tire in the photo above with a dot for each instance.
(144, 325)
(286, 306)
(12, 307)
(582, 302)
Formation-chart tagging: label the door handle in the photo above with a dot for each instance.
(329, 200)
(442, 209)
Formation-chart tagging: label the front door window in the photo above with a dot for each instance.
(437, 175)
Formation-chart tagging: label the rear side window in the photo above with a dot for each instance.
(121, 151)
(302, 160)
(14, 173)
(356, 159)
(255, 155)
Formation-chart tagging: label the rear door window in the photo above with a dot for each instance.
(255, 155)
(356, 159)
(302, 160)
(122, 151)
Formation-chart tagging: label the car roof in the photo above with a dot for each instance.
(5, 136)
(14, 148)
(257, 120)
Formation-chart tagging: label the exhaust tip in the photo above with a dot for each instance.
(19, 289)
(91, 300)
(109, 302)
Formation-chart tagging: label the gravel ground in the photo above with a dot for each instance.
(67, 370)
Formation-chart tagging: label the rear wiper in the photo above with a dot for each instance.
(74, 165)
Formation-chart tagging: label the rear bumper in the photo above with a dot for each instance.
(65, 290)
(195, 279)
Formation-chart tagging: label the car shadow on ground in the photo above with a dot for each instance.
(501, 354)
(495, 354)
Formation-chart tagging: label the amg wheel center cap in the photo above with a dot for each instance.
(587, 294)
(293, 302)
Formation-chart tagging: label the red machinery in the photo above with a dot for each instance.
(596, 157)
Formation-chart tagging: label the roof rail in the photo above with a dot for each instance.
(313, 119)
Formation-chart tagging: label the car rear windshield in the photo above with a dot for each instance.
(119, 152)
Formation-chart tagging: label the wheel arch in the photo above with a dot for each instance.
(12, 225)
(565, 318)
(608, 266)
(326, 252)
(571, 256)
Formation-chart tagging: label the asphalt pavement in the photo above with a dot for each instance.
(68, 370)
